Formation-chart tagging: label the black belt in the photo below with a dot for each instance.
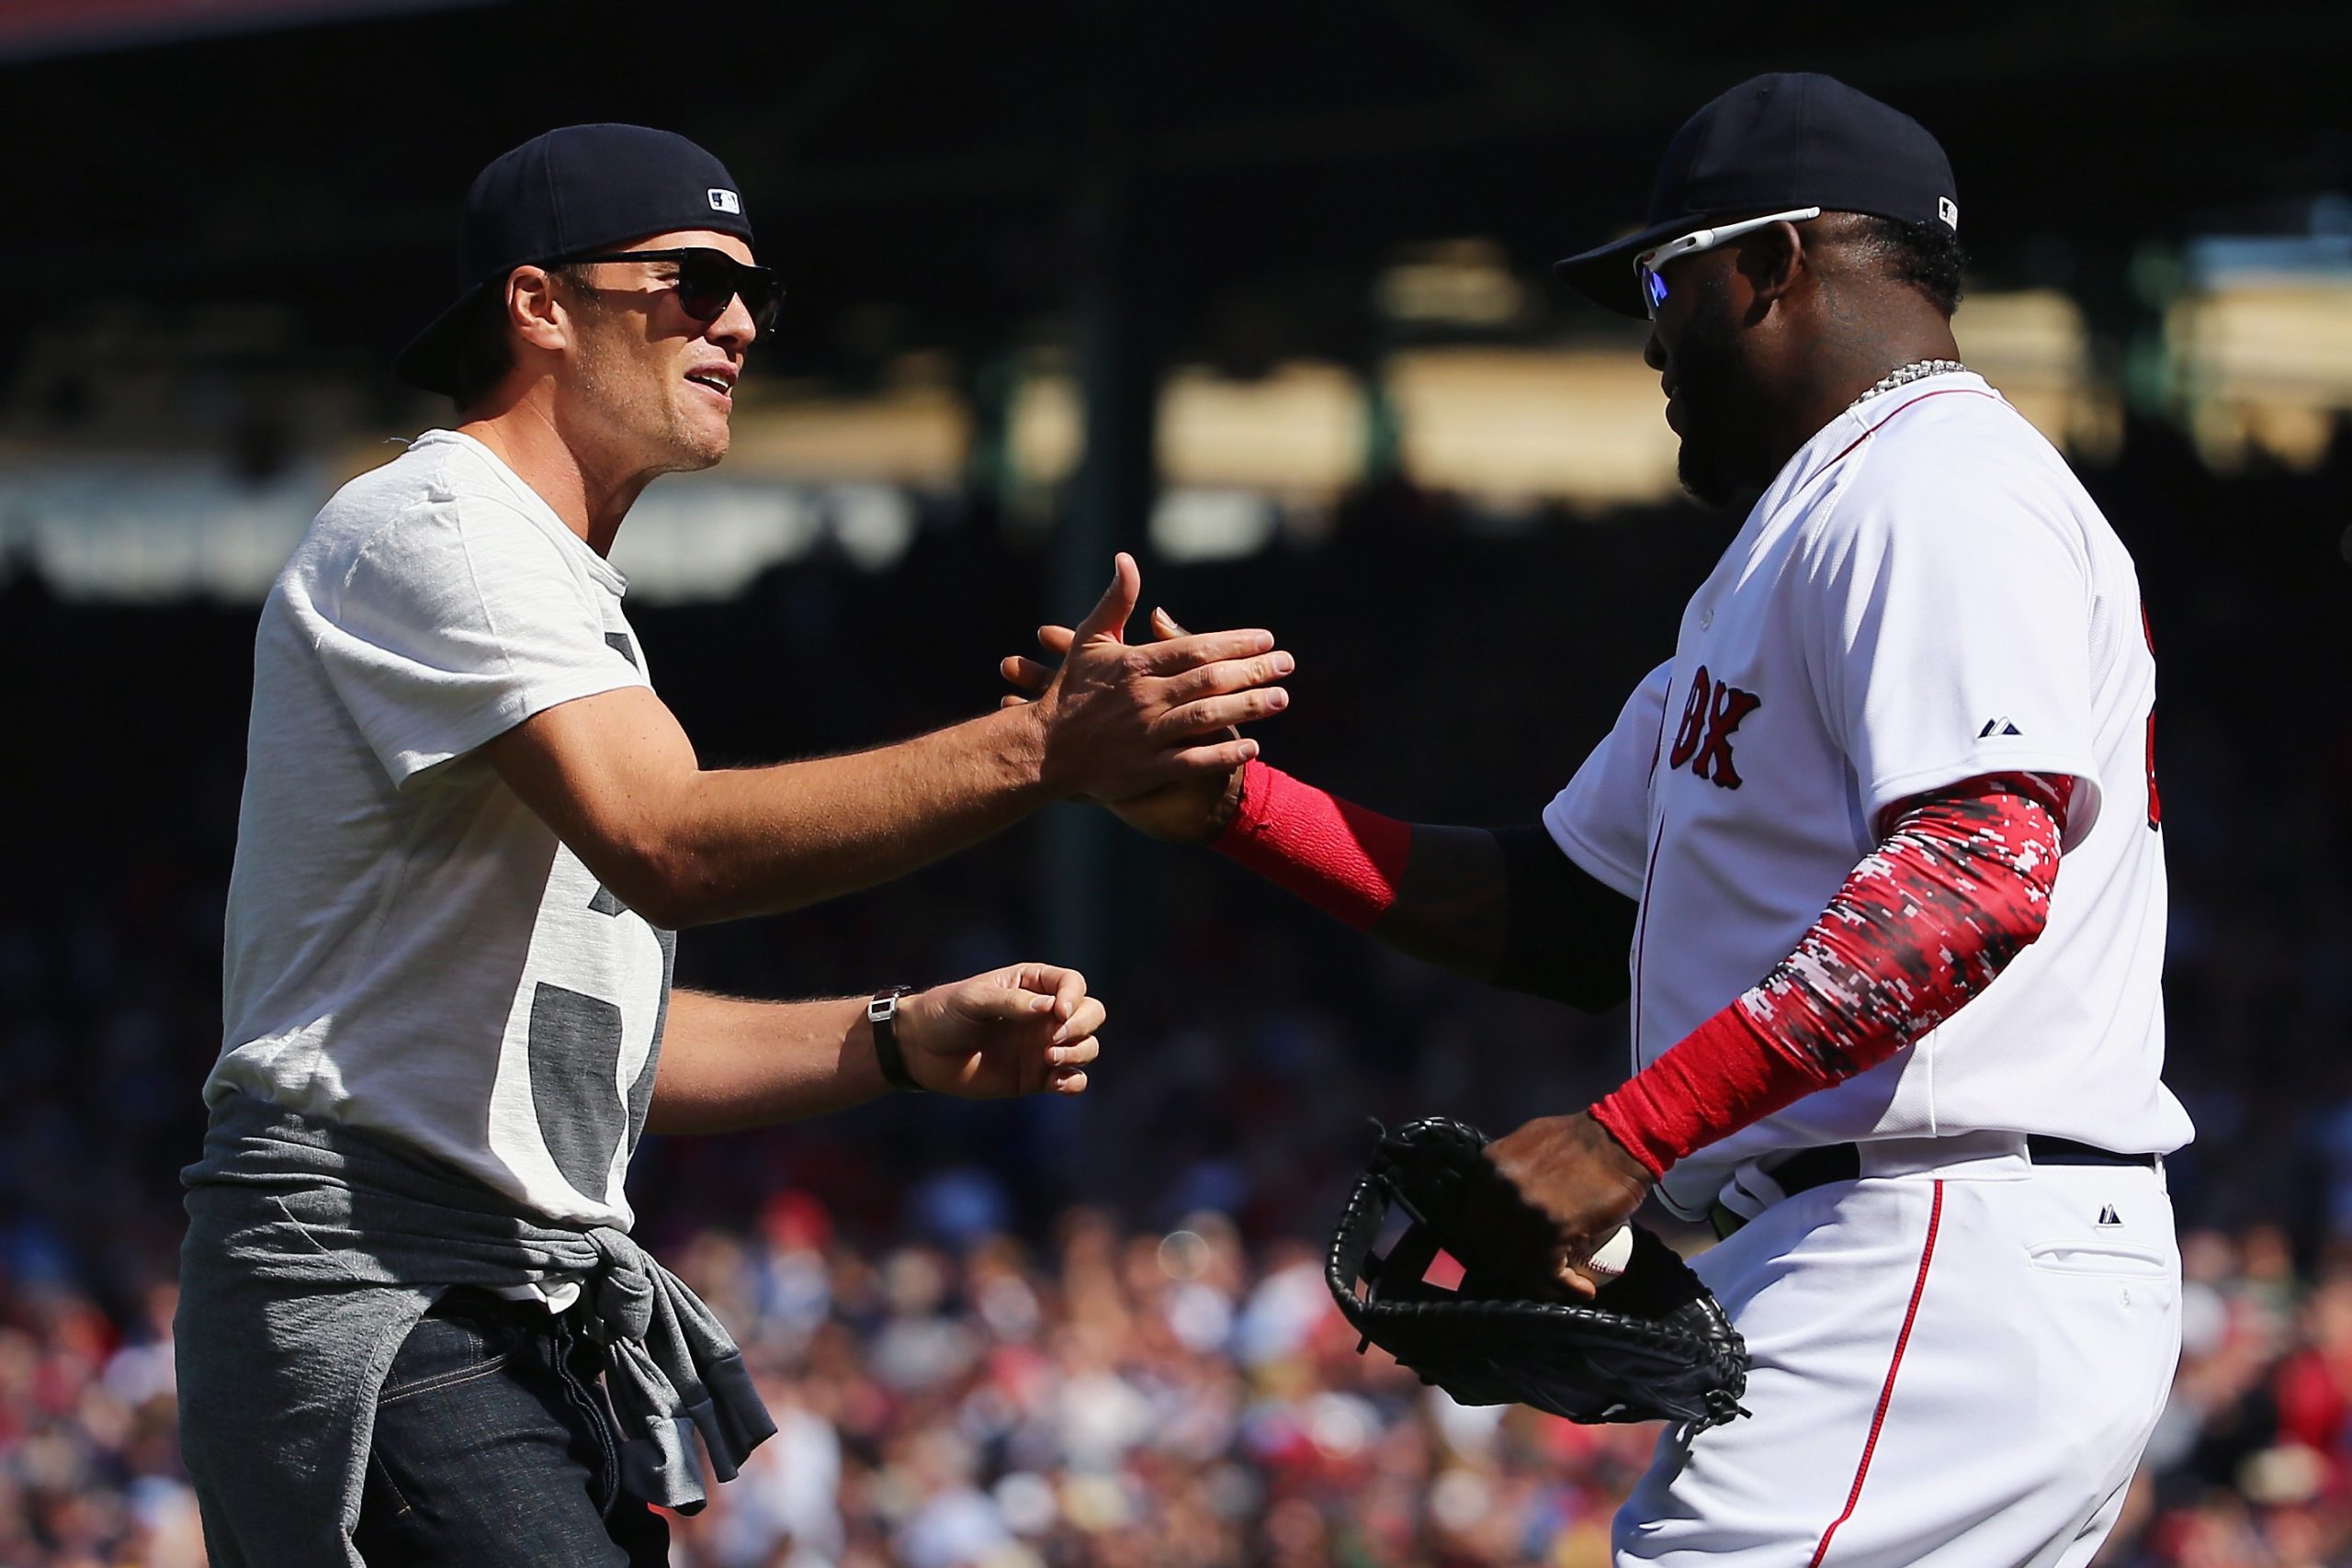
(1808, 1168)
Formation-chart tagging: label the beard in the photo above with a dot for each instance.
(641, 404)
(1706, 392)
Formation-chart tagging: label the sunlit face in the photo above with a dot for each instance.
(648, 383)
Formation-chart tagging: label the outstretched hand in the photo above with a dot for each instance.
(1193, 808)
(1121, 719)
(1023, 1029)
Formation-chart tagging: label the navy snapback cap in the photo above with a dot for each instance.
(572, 192)
(1794, 139)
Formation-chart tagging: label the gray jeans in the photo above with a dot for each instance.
(494, 1445)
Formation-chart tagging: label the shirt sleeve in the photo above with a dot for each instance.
(1951, 638)
(1602, 821)
(454, 624)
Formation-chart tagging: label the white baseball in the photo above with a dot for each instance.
(1609, 1259)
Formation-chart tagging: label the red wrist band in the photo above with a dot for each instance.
(1722, 1076)
(1339, 856)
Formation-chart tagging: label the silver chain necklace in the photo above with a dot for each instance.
(1904, 375)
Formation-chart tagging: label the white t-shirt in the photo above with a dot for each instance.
(410, 949)
(1925, 594)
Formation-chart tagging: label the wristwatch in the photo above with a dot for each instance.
(882, 1015)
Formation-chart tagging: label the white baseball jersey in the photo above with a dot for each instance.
(1924, 595)
(410, 948)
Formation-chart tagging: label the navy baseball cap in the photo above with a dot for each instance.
(572, 192)
(1791, 139)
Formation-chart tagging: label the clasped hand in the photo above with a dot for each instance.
(1193, 802)
(1120, 720)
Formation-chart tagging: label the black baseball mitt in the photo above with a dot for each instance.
(1654, 1345)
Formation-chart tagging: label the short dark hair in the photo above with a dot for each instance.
(1927, 255)
(483, 353)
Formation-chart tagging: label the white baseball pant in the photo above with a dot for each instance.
(1956, 1365)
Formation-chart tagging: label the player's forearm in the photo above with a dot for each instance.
(1436, 892)
(729, 1064)
(1960, 887)
(1507, 908)
(1452, 903)
(758, 840)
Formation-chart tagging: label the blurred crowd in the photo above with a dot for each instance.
(1116, 1397)
(1097, 1333)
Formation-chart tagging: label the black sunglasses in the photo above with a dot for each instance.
(708, 281)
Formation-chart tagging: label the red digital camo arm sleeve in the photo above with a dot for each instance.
(1958, 887)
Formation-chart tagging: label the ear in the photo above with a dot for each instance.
(533, 308)
(1773, 262)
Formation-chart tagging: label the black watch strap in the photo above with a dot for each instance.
(882, 1017)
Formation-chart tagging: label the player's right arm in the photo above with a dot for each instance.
(1506, 905)
(617, 779)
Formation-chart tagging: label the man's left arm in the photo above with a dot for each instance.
(1959, 886)
(729, 1064)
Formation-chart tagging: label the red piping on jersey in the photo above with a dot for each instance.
(1649, 870)
(1658, 741)
(1915, 403)
(1886, 1395)
(1642, 930)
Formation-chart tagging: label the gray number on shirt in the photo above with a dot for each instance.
(576, 1039)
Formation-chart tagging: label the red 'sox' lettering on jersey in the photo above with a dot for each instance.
(1710, 713)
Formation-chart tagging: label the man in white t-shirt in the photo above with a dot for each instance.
(413, 1327)
(1875, 858)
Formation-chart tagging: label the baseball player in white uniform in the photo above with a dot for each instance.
(1878, 851)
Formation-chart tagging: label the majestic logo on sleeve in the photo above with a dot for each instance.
(1709, 714)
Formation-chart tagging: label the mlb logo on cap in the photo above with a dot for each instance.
(726, 202)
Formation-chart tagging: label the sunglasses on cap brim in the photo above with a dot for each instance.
(1646, 265)
(708, 281)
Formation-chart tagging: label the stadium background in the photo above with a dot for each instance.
(1261, 291)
